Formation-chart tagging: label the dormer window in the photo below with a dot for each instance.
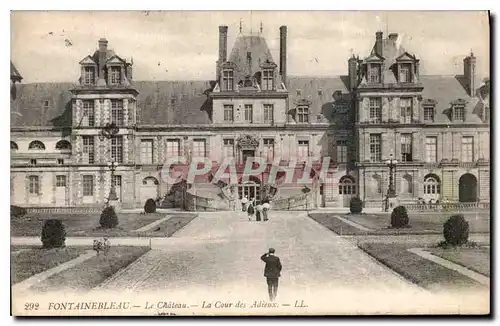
(459, 113)
(46, 105)
(89, 75)
(405, 75)
(115, 75)
(228, 79)
(302, 114)
(374, 73)
(429, 113)
(268, 79)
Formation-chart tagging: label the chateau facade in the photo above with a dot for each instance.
(64, 136)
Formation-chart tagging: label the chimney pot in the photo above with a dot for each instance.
(378, 43)
(222, 48)
(283, 32)
(393, 36)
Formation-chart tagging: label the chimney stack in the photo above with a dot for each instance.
(222, 48)
(470, 73)
(378, 44)
(103, 49)
(393, 37)
(353, 65)
(283, 53)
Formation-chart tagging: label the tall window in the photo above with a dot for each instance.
(117, 112)
(117, 149)
(374, 73)
(406, 110)
(405, 73)
(341, 151)
(268, 113)
(376, 184)
(115, 75)
(228, 112)
(199, 149)
(228, 149)
(459, 113)
(429, 114)
(467, 149)
(431, 149)
(375, 109)
(268, 149)
(267, 79)
(228, 80)
(347, 186)
(88, 185)
(173, 147)
(303, 114)
(89, 75)
(431, 186)
(34, 185)
(60, 181)
(117, 182)
(302, 150)
(88, 149)
(147, 151)
(375, 147)
(249, 113)
(88, 113)
(406, 148)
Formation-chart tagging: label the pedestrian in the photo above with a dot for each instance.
(272, 272)
(258, 212)
(250, 211)
(244, 202)
(265, 210)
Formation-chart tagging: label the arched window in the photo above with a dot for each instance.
(432, 185)
(407, 184)
(376, 184)
(36, 145)
(63, 145)
(150, 181)
(347, 186)
(13, 146)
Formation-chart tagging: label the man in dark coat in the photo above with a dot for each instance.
(272, 272)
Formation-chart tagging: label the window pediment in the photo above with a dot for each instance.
(375, 58)
(88, 61)
(459, 102)
(115, 60)
(429, 102)
(406, 57)
(268, 65)
(302, 102)
(228, 65)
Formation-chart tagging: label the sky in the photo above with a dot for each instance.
(183, 45)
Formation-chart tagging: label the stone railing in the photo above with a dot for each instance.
(65, 210)
(296, 203)
(199, 203)
(449, 207)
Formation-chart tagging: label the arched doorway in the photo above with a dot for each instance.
(249, 189)
(347, 189)
(432, 188)
(467, 188)
(149, 189)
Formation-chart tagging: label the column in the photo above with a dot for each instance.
(97, 113)
(440, 147)
(476, 145)
(415, 109)
(125, 112)
(78, 112)
(386, 145)
(366, 155)
(415, 146)
(385, 108)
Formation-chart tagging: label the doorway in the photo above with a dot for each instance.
(246, 153)
(467, 188)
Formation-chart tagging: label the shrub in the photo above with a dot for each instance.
(16, 211)
(150, 206)
(356, 205)
(399, 217)
(53, 234)
(456, 230)
(108, 219)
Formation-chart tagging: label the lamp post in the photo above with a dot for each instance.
(112, 191)
(391, 192)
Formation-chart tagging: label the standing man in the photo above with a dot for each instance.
(272, 272)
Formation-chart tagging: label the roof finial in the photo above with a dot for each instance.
(261, 27)
(241, 26)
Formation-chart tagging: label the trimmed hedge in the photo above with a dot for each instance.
(356, 205)
(53, 234)
(150, 206)
(108, 219)
(456, 230)
(399, 217)
(16, 211)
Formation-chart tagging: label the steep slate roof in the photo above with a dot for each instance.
(184, 102)
(256, 47)
(14, 74)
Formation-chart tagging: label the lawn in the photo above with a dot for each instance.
(169, 227)
(420, 223)
(334, 224)
(476, 259)
(26, 262)
(91, 272)
(417, 269)
(82, 224)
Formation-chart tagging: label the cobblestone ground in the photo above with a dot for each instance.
(217, 255)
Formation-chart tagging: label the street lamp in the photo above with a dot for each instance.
(112, 191)
(391, 192)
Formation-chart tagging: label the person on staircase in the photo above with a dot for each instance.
(250, 210)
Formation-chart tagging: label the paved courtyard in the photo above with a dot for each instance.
(217, 256)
